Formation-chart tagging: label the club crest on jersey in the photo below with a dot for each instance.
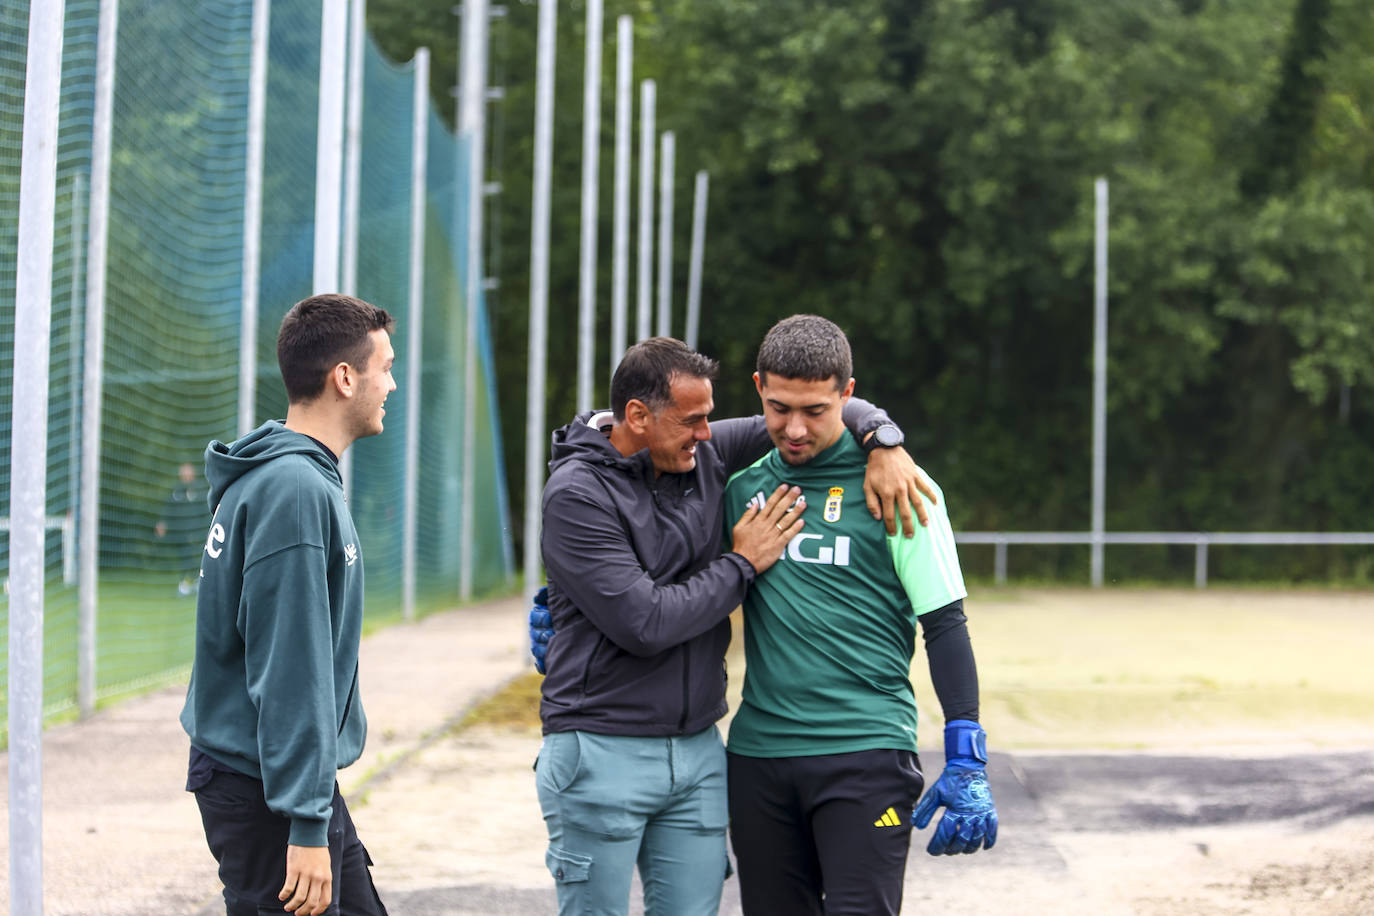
(832, 504)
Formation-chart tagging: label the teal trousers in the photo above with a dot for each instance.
(613, 803)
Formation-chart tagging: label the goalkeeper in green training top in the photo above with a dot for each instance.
(823, 772)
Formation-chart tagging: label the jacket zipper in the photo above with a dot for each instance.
(686, 676)
(677, 523)
(686, 648)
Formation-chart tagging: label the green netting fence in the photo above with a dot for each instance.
(173, 313)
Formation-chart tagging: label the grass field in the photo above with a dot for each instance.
(145, 633)
(1131, 669)
(1171, 669)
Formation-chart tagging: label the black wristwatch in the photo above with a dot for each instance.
(885, 436)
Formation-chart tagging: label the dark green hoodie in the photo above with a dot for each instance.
(274, 685)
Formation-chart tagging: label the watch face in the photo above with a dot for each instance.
(888, 436)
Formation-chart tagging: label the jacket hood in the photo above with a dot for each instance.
(581, 441)
(225, 464)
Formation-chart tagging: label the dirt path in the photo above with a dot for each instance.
(1214, 755)
(461, 834)
(1155, 752)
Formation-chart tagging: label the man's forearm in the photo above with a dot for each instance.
(862, 417)
(949, 652)
(643, 618)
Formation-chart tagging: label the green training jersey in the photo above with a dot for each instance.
(830, 629)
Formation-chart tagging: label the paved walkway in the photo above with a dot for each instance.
(122, 838)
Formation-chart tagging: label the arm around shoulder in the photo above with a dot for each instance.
(740, 441)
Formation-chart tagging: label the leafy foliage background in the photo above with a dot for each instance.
(920, 171)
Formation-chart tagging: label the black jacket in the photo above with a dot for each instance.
(639, 591)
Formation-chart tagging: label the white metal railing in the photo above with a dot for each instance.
(1200, 540)
(67, 526)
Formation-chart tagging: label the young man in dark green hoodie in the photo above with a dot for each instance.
(273, 709)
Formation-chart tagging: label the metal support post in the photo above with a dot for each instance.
(1099, 455)
(648, 140)
(472, 124)
(591, 156)
(620, 243)
(353, 147)
(665, 236)
(252, 216)
(535, 369)
(329, 146)
(93, 365)
(419, 164)
(694, 263)
(29, 461)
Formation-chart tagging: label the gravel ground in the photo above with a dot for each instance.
(1278, 818)
(1080, 834)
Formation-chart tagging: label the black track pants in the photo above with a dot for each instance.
(249, 842)
(823, 836)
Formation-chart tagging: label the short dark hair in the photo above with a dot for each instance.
(806, 347)
(646, 373)
(319, 333)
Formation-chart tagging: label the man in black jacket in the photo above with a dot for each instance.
(632, 771)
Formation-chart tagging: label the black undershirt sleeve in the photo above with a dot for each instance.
(950, 654)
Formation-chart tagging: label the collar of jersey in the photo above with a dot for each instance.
(839, 452)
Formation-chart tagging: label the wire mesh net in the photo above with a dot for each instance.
(173, 310)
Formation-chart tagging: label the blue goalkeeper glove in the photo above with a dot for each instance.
(541, 628)
(970, 818)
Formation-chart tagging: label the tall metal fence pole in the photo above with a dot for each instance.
(419, 150)
(351, 174)
(77, 307)
(535, 369)
(1099, 378)
(472, 125)
(329, 164)
(591, 156)
(695, 263)
(353, 148)
(620, 247)
(93, 363)
(252, 216)
(329, 145)
(644, 279)
(665, 236)
(29, 459)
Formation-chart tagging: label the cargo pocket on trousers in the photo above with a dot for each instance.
(567, 867)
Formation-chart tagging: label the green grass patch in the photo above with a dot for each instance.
(1132, 668)
(514, 706)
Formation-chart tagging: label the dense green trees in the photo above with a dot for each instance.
(921, 172)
